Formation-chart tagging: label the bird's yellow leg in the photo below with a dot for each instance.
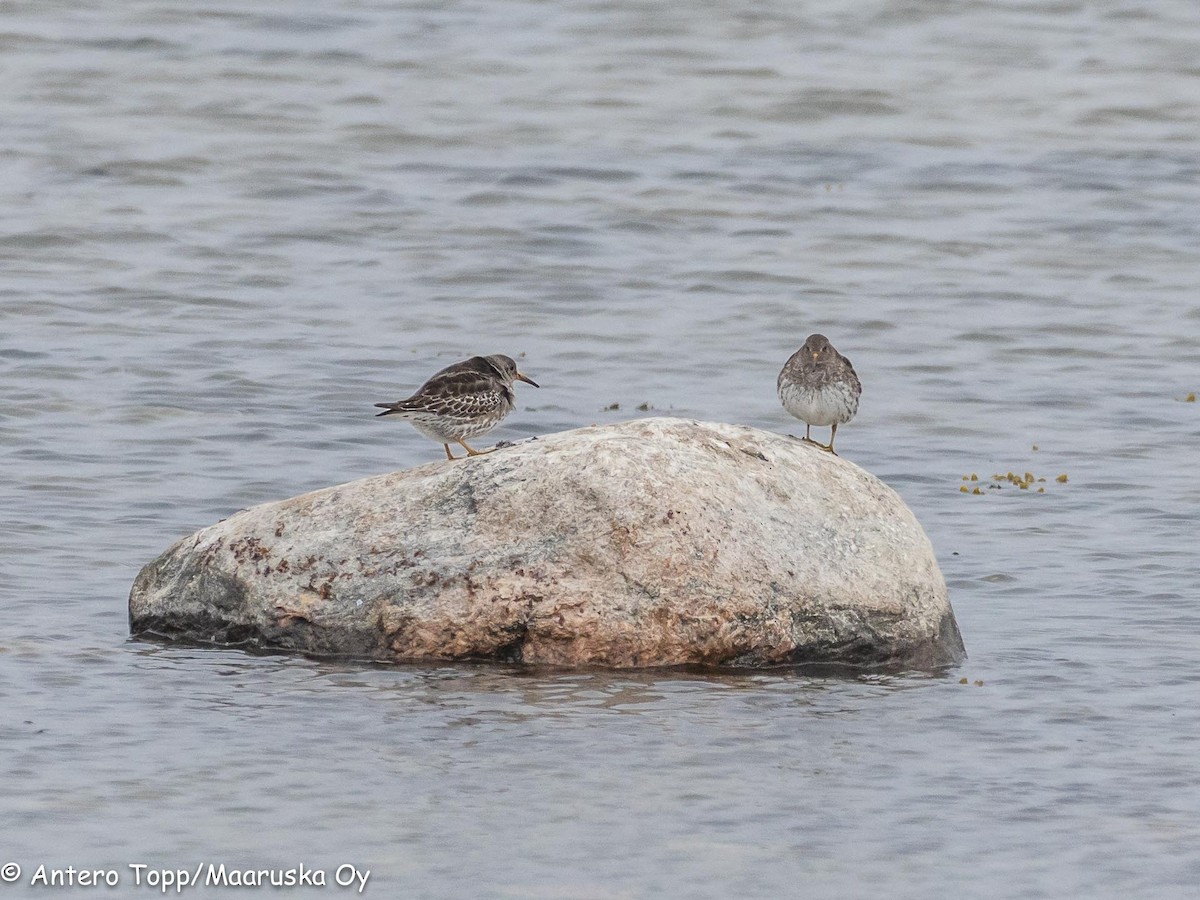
(449, 455)
(829, 446)
(808, 436)
(471, 451)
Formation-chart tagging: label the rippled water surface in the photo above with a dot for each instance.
(229, 228)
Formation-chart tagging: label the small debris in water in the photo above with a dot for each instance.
(645, 407)
(612, 406)
(1023, 481)
(1190, 398)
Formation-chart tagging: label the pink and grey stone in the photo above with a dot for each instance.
(656, 542)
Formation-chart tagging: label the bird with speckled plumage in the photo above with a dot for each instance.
(462, 401)
(819, 387)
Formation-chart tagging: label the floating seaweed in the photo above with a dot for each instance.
(1022, 481)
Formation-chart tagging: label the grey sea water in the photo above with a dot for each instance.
(226, 229)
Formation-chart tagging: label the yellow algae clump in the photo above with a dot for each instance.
(964, 489)
(1190, 398)
(1023, 481)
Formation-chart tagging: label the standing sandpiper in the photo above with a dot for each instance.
(818, 386)
(462, 401)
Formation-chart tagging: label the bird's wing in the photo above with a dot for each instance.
(851, 372)
(457, 393)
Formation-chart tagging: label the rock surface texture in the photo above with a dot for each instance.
(649, 543)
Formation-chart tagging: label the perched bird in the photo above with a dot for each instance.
(819, 387)
(462, 401)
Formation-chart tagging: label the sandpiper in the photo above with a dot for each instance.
(819, 387)
(462, 401)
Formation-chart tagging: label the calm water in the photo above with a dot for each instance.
(229, 228)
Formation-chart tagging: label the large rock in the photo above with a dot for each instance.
(649, 543)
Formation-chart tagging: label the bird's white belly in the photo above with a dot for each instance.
(829, 405)
(445, 430)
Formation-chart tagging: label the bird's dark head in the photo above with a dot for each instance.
(818, 348)
(507, 369)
